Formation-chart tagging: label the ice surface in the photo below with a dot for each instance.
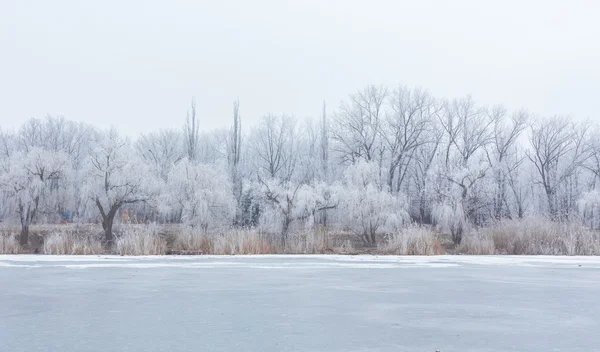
(299, 303)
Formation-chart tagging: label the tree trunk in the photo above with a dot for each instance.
(108, 235)
(284, 231)
(390, 178)
(107, 224)
(24, 238)
(457, 233)
(421, 211)
(551, 204)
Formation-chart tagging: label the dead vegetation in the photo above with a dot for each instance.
(9, 243)
(533, 236)
(160, 240)
(413, 240)
(71, 242)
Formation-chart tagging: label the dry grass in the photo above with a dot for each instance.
(310, 242)
(192, 241)
(533, 236)
(475, 243)
(138, 240)
(413, 240)
(251, 241)
(235, 241)
(243, 242)
(9, 243)
(71, 242)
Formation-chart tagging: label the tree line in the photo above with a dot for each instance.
(384, 158)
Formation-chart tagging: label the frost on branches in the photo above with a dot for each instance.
(199, 195)
(384, 158)
(34, 181)
(287, 202)
(365, 204)
(113, 176)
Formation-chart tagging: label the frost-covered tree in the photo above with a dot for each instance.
(382, 155)
(234, 157)
(161, 150)
(274, 146)
(405, 129)
(30, 179)
(201, 195)
(559, 149)
(503, 158)
(589, 208)
(56, 134)
(114, 176)
(357, 124)
(289, 201)
(467, 131)
(365, 204)
(422, 178)
(324, 144)
(191, 132)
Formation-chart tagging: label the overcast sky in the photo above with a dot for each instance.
(136, 64)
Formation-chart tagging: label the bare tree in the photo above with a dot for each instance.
(593, 163)
(501, 156)
(191, 132)
(404, 130)
(161, 150)
(357, 125)
(56, 134)
(324, 144)
(234, 155)
(519, 186)
(8, 144)
(274, 144)
(235, 149)
(467, 131)
(559, 149)
(424, 159)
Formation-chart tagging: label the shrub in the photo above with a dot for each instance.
(9, 244)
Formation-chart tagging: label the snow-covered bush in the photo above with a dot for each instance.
(33, 181)
(366, 207)
(450, 218)
(9, 244)
(589, 209)
(201, 194)
(286, 202)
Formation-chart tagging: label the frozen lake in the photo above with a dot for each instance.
(299, 303)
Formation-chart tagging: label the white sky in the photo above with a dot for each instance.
(136, 64)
